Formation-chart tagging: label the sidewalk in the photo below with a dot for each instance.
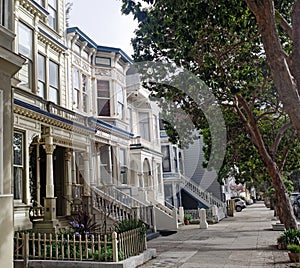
(245, 240)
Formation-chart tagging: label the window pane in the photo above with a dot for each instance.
(52, 3)
(41, 67)
(144, 126)
(18, 149)
(84, 82)
(75, 78)
(103, 89)
(166, 158)
(53, 74)
(53, 95)
(52, 18)
(18, 182)
(41, 89)
(103, 107)
(25, 41)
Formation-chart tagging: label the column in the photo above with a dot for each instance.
(38, 175)
(86, 172)
(50, 200)
(109, 168)
(98, 166)
(86, 198)
(68, 181)
(49, 148)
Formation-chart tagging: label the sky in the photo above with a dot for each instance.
(103, 22)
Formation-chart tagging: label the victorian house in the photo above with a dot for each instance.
(10, 63)
(86, 136)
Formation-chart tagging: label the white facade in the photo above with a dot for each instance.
(78, 127)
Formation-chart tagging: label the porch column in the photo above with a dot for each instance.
(50, 200)
(68, 181)
(38, 173)
(109, 168)
(49, 148)
(98, 166)
(86, 172)
(86, 198)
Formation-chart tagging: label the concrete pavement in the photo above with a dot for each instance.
(245, 240)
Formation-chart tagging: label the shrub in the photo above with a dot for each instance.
(288, 237)
(83, 224)
(131, 224)
(293, 248)
(187, 217)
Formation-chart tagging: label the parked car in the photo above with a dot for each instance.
(239, 204)
(293, 197)
(296, 206)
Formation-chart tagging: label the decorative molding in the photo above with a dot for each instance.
(49, 148)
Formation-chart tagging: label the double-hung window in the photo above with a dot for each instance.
(76, 92)
(165, 149)
(53, 82)
(25, 49)
(103, 98)
(52, 17)
(144, 125)
(41, 76)
(84, 92)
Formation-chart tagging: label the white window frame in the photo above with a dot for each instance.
(102, 98)
(25, 48)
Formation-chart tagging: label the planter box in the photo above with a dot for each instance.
(294, 257)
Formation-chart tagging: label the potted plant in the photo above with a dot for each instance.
(294, 252)
(187, 218)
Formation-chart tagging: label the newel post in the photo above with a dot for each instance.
(115, 246)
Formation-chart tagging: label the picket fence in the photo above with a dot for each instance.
(108, 248)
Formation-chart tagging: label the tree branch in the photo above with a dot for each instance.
(279, 137)
(284, 24)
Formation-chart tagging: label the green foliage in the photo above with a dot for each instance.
(290, 236)
(107, 254)
(294, 248)
(187, 217)
(83, 224)
(225, 52)
(131, 224)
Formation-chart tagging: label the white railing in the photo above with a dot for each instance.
(109, 247)
(207, 198)
(108, 201)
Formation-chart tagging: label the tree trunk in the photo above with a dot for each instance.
(286, 84)
(284, 207)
